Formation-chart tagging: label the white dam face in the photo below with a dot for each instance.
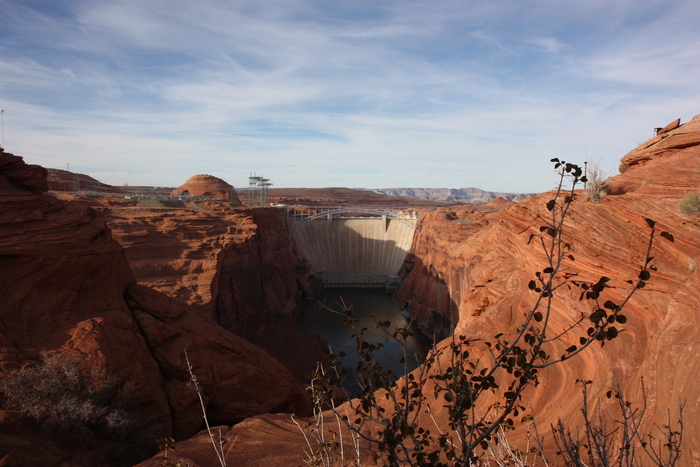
(355, 245)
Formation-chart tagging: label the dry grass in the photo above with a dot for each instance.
(597, 186)
(79, 406)
(690, 203)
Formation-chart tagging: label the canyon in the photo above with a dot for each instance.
(131, 283)
(473, 265)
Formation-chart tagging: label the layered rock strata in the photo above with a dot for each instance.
(481, 282)
(67, 287)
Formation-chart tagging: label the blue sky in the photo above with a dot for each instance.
(354, 93)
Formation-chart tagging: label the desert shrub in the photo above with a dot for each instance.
(690, 204)
(597, 184)
(77, 405)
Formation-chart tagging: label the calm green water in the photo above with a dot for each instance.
(367, 305)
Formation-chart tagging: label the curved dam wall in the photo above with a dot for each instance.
(355, 245)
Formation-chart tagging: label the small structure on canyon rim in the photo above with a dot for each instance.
(205, 186)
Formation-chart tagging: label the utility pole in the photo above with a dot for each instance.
(2, 116)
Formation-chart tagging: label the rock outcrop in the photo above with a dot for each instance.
(205, 186)
(481, 282)
(236, 266)
(67, 287)
(671, 139)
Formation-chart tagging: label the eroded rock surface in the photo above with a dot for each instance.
(67, 286)
(482, 281)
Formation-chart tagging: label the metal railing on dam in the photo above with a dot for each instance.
(361, 246)
(309, 213)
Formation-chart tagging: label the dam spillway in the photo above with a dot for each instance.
(349, 251)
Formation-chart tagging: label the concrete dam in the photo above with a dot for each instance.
(355, 251)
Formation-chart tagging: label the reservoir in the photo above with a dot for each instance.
(367, 306)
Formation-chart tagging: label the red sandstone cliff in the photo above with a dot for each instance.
(483, 282)
(236, 266)
(66, 285)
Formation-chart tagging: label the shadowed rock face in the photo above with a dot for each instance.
(236, 266)
(475, 268)
(67, 286)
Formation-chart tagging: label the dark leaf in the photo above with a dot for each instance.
(537, 316)
(650, 222)
(550, 204)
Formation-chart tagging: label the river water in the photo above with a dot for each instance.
(367, 305)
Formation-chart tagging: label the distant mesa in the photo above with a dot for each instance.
(205, 186)
(459, 195)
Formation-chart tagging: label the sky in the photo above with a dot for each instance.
(321, 93)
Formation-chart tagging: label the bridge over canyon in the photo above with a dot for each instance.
(352, 246)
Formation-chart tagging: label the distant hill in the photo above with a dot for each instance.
(462, 195)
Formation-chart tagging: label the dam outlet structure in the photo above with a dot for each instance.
(354, 247)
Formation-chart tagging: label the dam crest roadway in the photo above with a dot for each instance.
(351, 246)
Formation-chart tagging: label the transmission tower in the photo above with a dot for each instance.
(257, 190)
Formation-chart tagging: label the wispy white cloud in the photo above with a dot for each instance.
(550, 44)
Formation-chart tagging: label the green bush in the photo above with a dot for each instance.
(79, 406)
(690, 204)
